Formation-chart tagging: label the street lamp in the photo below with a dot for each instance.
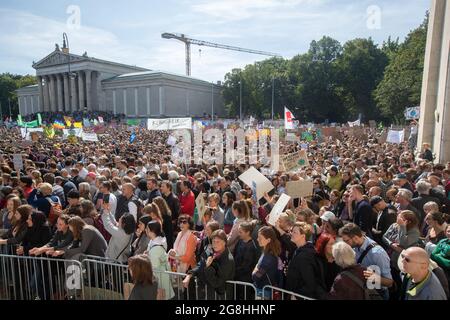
(72, 75)
(273, 93)
(212, 101)
(240, 97)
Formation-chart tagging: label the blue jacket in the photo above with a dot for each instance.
(38, 201)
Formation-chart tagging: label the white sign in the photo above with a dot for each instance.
(354, 123)
(77, 132)
(169, 124)
(395, 136)
(412, 113)
(262, 183)
(89, 137)
(278, 208)
(171, 141)
(27, 131)
(201, 205)
(18, 162)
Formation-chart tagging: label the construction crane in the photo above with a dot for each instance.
(188, 41)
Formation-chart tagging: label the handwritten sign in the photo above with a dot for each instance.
(278, 208)
(295, 160)
(169, 124)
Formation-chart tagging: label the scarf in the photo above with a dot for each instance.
(180, 247)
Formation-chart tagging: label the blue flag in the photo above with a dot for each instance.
(132, 137)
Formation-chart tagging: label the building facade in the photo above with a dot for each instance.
(69, 83)
(434, 122)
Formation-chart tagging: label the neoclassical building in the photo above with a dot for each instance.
(68, 82)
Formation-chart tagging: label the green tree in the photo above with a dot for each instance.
(361, 68)
(8, 84)
(402, 83)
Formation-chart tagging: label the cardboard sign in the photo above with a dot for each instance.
(372, 123)
(201, 205)
(254, 177)
(77, 132)
(295, 160)
(18, 162)
(278, 208)
(412, 113)
(300, 188)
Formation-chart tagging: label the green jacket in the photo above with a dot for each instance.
(334, 182)
(441, 254)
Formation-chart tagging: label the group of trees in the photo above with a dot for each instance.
(8, 97)
(333, 81)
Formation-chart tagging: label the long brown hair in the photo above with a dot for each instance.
(24, 211)
(141, 269)
(152, 208)
(163, 207)
(77, 225)
(274, 246)
(88, 209)
(16, 202)
(242, 208)
(411, 218)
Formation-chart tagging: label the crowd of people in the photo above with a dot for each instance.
(376, 227)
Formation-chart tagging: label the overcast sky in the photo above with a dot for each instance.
(130, 31)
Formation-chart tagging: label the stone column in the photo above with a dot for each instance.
(41, 94)
(66, 93)
(51, 88)
(46, 106)
(80, 91)
(88, 90)
(73, 93)
(99, 92)
(59, 90)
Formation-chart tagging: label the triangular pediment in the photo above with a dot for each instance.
(57, 58)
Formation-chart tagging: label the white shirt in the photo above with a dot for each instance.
(83, 173)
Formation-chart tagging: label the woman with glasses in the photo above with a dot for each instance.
(182, 256)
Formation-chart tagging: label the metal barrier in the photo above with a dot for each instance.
(39, 278)
(280, 294)
(97, 278)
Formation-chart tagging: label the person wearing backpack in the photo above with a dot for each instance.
(305, 273)
(369, 254)
(350, 283)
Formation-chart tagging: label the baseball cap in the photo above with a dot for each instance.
(327, 216)
(401, 176)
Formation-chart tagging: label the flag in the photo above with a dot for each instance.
(86, 123)
(58, 124)
(100, 119)
(31, 124)
(95, 122)
(39, 119)
(132, 137)
(68, 121)
(78, 125)
(49, 132)
(19, 120)
(133, 122)
(288, 119)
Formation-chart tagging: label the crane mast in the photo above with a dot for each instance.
(188, 41)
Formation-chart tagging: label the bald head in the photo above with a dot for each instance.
(418, 254)
(415, 261)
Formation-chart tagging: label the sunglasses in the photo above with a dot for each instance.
(183, 221)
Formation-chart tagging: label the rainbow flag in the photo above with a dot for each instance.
(58, 125)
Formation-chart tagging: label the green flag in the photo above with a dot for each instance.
(31, 124)
(19, 120)
(39, 119)
(133, 122)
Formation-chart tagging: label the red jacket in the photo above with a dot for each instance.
(187, 203)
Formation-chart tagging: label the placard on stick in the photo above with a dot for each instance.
(299, 188)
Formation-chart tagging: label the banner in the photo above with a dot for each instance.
(89, 137)
(354, 123)
(288, 119)
(77, 132)
(253, 177)
(169, 124)
(278, 208)
(26, 132)
(133, 122)
(395, 136)
(295, 160)
(412, 113)
(300, 188)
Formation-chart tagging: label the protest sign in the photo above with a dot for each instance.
(201, 205)
(77, 132)
(295, 160)
(89, 137)
(169, 124)
(18, 162)
(395, 136)
(278, 208)
(412, 113)
(299, 188)
(253, 176)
